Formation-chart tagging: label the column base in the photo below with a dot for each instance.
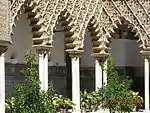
(76, 111)
(143, 111)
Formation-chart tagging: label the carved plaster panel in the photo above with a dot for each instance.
(4, 23)
(102, 16)
(135, 13)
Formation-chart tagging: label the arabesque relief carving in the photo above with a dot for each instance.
(100, 17)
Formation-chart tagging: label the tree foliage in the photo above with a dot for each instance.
(117, 95)
(28, 97)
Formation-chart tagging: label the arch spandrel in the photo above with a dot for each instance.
(89, 9)
(92, 7)
(53, 10)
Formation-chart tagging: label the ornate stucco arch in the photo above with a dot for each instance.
(128, 27)
(88, 16)
(96, 35)
(134, 12)
(75, 12)
(18, 7)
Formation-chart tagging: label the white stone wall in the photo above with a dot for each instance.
(22, 41)
(126, 53)
(57, 56)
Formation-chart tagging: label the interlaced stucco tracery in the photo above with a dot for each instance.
(100, 17)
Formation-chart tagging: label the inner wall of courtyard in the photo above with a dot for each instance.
(124, 51)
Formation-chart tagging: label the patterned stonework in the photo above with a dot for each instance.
(4, 22)
(105, 19)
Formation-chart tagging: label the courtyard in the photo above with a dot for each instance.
(72, 41)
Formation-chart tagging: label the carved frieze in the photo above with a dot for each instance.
(79, 14)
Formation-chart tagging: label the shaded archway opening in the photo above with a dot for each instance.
(15, 56)
(21, 35)
(62, 41)
(57, 64)
(31, 10)
(125, 51)
(87, 65)
(92, 50)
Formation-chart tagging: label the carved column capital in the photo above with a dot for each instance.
(42, 49)
(75, 53)
(146, 53)
(100, 57)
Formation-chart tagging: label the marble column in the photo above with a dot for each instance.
(146, 78)
(75, 57)
(2, 83)
(105, 74)
(98, 75)
(43, 69)
(45, 77)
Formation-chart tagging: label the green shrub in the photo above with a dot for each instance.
(90, 100)
(62, 102)
(117, 95)
(28, 97)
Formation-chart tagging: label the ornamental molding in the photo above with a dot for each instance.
(100, 17)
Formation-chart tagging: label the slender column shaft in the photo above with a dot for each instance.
(105, 74)
(41, 70)
(76, 83)
(146, 68)
(45, 75)
(98, 75)
(2, 83)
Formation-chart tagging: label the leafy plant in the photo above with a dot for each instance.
(117, 95)
(62, 102)
(137, 98)
(90, 100)
(28, 97)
